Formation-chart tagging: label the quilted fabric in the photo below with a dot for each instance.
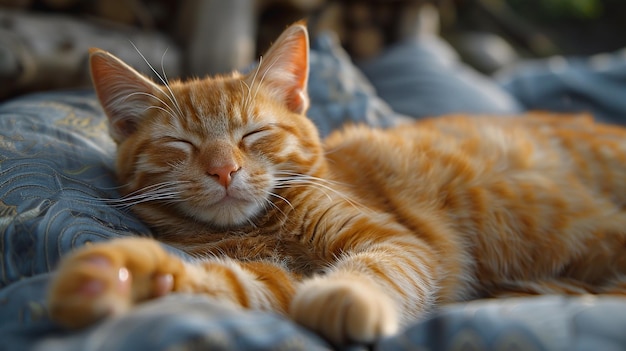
(55, 180)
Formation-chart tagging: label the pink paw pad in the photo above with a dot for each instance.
(94, 287)
(163, 284)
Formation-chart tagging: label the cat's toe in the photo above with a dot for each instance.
(86, 290)
(344, 311)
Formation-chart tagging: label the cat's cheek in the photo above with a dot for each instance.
(249, 187)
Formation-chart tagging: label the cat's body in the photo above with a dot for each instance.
(355, 236)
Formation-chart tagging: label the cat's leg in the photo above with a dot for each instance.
(345, 308)
(369, 291)
(108, 278)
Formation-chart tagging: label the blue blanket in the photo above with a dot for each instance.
(56, 170)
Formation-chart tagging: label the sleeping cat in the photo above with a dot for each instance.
(354, 236)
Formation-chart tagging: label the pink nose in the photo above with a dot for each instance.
(223, 173)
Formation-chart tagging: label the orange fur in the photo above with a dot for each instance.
(355, 236)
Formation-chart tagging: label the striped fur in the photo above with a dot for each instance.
(355, 236)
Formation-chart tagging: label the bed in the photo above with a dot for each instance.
(56, 167)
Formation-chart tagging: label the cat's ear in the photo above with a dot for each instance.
(285, 68)
(124, 93)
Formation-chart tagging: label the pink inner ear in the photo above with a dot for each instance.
(298, 101)
(285, 68)
(124, 127)
(123, 92)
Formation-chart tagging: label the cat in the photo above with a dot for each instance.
(352, 237)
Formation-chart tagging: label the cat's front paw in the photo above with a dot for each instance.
(344, 310)
(106, 279)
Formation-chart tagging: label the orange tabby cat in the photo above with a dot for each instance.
(358, 235)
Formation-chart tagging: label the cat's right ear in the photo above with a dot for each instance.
(285, 68)
(124, 93)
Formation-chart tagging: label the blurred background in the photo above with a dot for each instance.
(43, 43)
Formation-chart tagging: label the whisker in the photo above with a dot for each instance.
(157, 194)
(171, 94)
(306, 176)
(281, 198)
(317, 183)
(292, 185)
(127, 202)
(156, 186)
(159, 108)
(263, 77)
(167, 84)
(170, 111)
(256, 72)
(333, 150)
(165, 189)
(245, 104)
(151, 194)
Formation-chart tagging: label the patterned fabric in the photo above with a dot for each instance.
(55, 176)
(56, 192)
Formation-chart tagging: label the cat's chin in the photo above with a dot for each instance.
(229, 212)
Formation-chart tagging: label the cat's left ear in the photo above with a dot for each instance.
(124, 93)
(285, 68)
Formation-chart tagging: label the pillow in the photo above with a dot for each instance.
(56, 179)
(593, 84)
(339, 92)
(423, 77)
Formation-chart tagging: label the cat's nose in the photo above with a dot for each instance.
(224, 173)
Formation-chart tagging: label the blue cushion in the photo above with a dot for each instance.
(594, 84)
(424, 77)
(55, 178)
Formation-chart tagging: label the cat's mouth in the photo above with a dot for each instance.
(230, 200)
(226, 212)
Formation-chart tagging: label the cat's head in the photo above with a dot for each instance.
(219, 150)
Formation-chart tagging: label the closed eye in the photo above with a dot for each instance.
(180, 144)
(255, 135)
(255, 132)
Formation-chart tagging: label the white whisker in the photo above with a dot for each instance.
(167, 84)
(281, 198)
(263, 77)
(159, 108)
(245, 103)
(156, 186)
(306, 176)
(171, 94)
(163, 192)
(169, 109)
(256, 72)
(289, 185)
(293, 179)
